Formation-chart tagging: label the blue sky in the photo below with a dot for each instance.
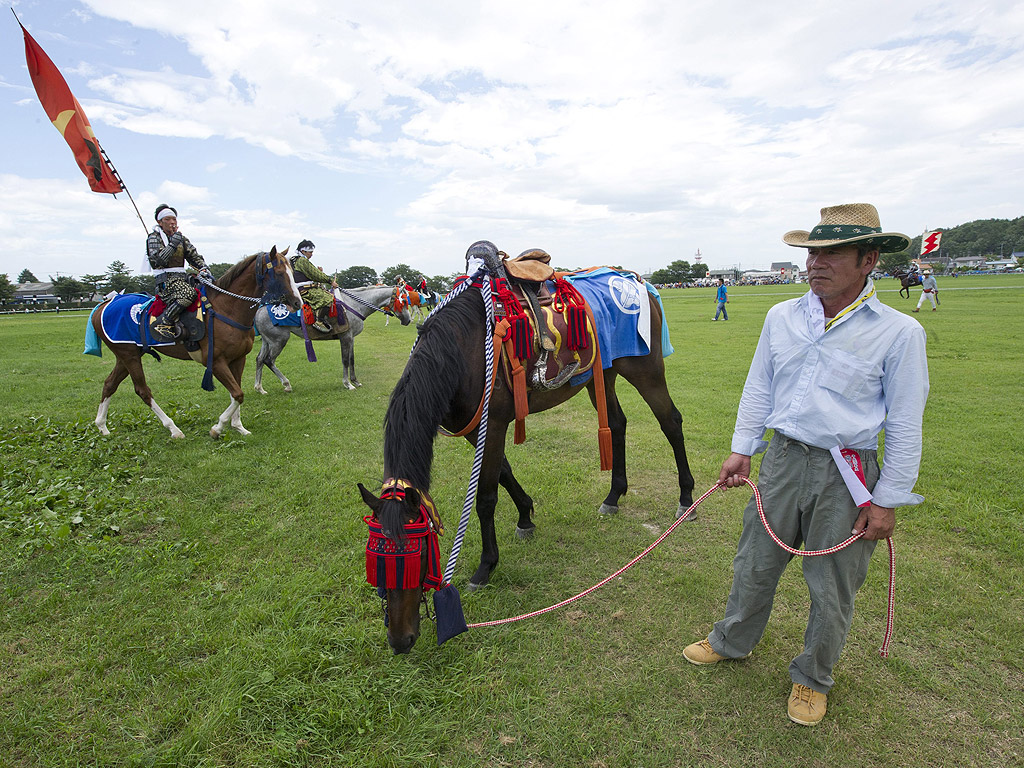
(604, 132)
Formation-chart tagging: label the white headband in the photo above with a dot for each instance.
(165, 213)
(307, 249)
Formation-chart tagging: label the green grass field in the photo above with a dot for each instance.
(202, 603)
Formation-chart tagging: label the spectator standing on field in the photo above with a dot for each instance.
(722, 297)
(929, 288)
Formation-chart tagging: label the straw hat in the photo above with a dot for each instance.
(850, 224)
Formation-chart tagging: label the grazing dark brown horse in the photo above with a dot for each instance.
(442, 385)
(234, 299)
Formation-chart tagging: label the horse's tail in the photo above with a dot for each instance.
(154, 353)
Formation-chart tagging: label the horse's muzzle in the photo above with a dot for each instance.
(403, 644)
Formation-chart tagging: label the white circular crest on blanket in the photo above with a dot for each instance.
(135, 312)
(280, 311)
(626, 294)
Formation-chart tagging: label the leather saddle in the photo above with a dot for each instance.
(551, 362)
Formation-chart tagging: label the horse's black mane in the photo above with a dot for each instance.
(423, 395)
(228, 277)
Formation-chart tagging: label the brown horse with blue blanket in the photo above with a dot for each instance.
(231, 305)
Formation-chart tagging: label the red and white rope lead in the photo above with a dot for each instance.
(891, 613)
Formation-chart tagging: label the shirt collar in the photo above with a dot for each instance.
(815, 312)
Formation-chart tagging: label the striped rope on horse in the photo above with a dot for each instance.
(481, 437)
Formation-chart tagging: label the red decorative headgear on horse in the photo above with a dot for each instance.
(397, 565)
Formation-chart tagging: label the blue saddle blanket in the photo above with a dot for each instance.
(622, 313)
(282, 314)
(120, 321)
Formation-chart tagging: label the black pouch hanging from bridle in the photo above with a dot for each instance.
(448, 613)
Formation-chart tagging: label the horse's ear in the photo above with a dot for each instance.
(412, 500)
(285, 251)
(371, 500)
(273, 251)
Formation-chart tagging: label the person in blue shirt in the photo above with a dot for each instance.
(722, 298)
(831, 370)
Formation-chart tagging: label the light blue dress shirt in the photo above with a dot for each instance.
(840, 386)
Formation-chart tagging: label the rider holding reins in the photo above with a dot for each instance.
(311, 281)
(167, 250)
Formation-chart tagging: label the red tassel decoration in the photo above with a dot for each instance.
(570, 302)
(307, 314)
(576, 321)
(522, 337)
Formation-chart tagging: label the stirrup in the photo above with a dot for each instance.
(167, 330)
(537, 379)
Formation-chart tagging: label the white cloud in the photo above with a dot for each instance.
(595, 127)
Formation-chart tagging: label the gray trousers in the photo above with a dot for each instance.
(805, 500)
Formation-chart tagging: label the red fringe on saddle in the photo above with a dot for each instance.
(307, 314)
(570, 302)
(520, 332)
(509, 334)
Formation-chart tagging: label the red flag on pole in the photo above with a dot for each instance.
(930, 242)
(69, 118)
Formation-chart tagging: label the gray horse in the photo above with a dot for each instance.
(358, 303)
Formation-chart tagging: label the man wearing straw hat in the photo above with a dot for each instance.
(831, 370)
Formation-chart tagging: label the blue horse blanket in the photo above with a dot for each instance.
(622, 313)
(120, 320)
(282, 314)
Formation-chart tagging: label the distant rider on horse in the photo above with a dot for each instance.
(312, 283)
(167, 250)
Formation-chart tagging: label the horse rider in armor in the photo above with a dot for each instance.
(312, 282)
(167, 250)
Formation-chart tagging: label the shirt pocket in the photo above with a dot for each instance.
(849, 376)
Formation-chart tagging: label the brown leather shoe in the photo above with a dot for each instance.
(806, 705)
(701, 653)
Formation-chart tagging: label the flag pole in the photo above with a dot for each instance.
(113, 170)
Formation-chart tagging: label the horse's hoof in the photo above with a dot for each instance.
(179, 435)
(356, 384)
(215, 434)
(243, 431)
(473, 586)
(681, 512)
(287, 387)
(525, 533)
(260, 390)
(608, 509)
